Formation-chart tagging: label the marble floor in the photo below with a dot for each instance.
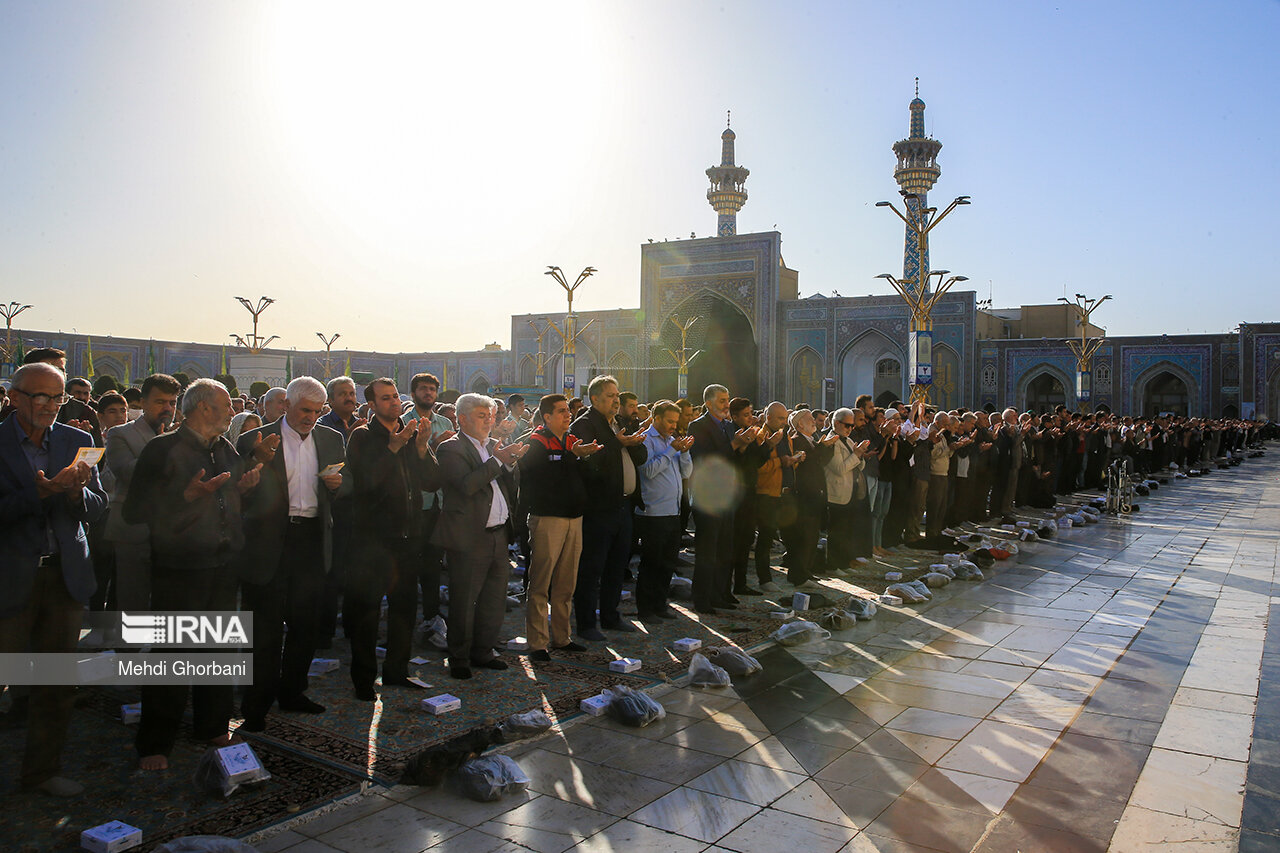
(1117, 688)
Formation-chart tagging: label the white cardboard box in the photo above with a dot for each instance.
(381, 652)
(442, 704)
(624, 665)
(131, 713)
(800, 601)
(782, 614)
(419, 661)
(110, 837)
(687, 644)
(320, 666)
(517, 644)
(626, 595)
(238, 762)
(891, 600)
(595, 706)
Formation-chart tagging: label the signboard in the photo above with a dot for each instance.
(920, 357)
(569, 381)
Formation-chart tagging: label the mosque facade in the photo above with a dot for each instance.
(753, 333)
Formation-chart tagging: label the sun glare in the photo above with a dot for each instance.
(399, 119)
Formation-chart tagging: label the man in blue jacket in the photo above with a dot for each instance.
(47, 501)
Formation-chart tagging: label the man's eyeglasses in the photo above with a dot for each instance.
(42, 399)
(845, 423)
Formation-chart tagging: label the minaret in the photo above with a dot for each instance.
(728, 191)
(916, 174)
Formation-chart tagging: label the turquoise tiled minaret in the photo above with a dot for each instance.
(916, 174)
(728, 191)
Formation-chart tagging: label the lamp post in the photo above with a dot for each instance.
(916, 292)
(13, 309)
(683, 360)
(569, 336)
(540, 360)
(255, 343)
(1086, 347)
(328, 344)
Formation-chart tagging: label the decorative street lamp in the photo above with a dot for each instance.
(684, 359)
(540, 359)
(13, 309)
(916, 291)
(328, 344)
(255, 343)
(569, 336)
(1085, 348)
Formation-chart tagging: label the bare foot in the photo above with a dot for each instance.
(153, 762)
(225, 740)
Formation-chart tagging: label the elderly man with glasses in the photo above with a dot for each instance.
(47, 500)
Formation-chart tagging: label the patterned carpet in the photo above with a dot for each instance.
(164, 805)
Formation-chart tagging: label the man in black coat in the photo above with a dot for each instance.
(391, 464)
(612, 486)
(288, 524)
(717, 491)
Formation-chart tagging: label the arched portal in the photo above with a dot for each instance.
(1044, 393)
(623, 370)
(860, 367)
(888, 384)
(480, 384)
(806, 379)
(1273, 397)
(528, 372)
(946, 377)
(729, 353)
(1165, 392)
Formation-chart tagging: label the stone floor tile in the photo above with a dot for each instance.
(448, 803)
(1005, 834)
(810, 800)
(1145, 831)
(1221, 734)
(474, 841)
(1192, 786)
(1215, 700)
(695, 814)
(657, 760)
(312, 845)
(926, 748)
(999, 750)
(840, 683)
(352, 809)
(632, 837)
(398, 827)
(867, 843)
(926, 721)
(812, 756)
(709, 736)
(761, 834)
(864, 770)
(547, 825)
(770, 752)
(881, 712)
(829, 731)
(751, 783)
(931, 825)
(604, 789)
(279, 841)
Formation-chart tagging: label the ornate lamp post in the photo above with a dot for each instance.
(13, 309)
(916, 291)
(569, 336)
(1085, 348)
(328, 344)
(540, 358)
(255, 343)
(683, 359)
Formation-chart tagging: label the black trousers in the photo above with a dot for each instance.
(335, 581)
(293, 596)
(177, 588)
(387, 568)
(744, 536)
(659, 550)
(431, 567)
(606, 551)
(767, 514)
(801, 537)
(713, 555)
(477, 597)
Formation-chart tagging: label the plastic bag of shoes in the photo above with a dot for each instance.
(491, 778)
(908, 593)
(733, 660)
(222, 774)
(520, 726)
(948, 568)
(967, 569)
(795, 633)
(681, 589)
(633, 707)
(836, 619)
(204, 844)
(863, 608)
(704, 673)
(950, 559)
(935, 580)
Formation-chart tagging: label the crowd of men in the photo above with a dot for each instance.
(310, 505)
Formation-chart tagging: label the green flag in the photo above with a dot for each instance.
(346, 371)
(223, 367)
(88, 358)
(151, 358)
(288, 369)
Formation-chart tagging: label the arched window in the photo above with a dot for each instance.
(1165, 393)
(1045, 393)
(1102, 378)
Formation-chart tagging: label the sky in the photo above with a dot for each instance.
(403, 173)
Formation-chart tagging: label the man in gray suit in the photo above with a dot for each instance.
(124, 443)
(476, 526)
(288, 527)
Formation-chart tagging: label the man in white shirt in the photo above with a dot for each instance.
(288, 526)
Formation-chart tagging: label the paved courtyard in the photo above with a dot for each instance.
(1116, 688)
